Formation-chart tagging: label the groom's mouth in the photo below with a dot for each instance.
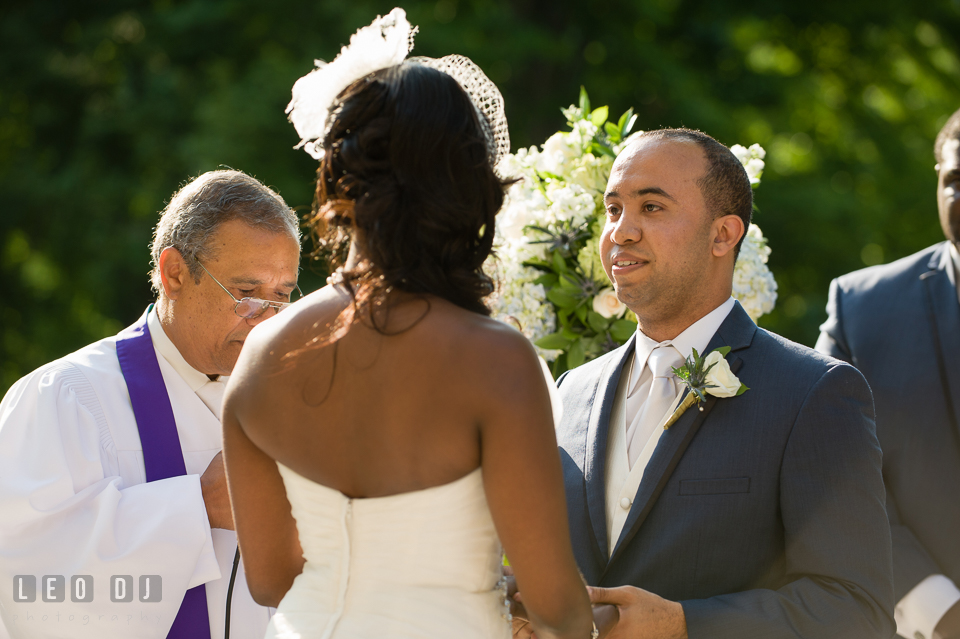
(623, 265)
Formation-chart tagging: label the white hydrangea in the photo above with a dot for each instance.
(591, 173)
(753, 283)
(558, 151)
(569, 203)
(751, 159)
(520, 302)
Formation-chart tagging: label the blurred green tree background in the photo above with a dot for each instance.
(107, 107)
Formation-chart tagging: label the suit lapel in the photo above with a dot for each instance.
(736, 332)
(596, 448)
(943, 310)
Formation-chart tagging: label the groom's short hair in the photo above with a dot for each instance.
(725, 185)
(950, 131)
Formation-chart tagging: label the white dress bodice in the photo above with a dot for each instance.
(420, 564)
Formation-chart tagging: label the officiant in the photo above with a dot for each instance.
(115, 516)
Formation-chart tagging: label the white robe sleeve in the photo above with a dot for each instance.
(67, 511)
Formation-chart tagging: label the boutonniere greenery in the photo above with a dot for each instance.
(710, 375)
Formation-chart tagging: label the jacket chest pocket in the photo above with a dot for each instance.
(724, 486)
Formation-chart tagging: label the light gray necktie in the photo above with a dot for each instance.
(663, 390)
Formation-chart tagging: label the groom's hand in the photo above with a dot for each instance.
(642, 613)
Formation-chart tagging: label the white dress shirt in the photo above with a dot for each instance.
(622, 481)
(921, 609)
(208, 390)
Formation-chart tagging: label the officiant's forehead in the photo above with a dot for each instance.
(668, 167)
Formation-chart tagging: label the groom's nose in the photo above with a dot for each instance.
(625, 230)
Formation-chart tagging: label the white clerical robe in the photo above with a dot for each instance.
(74, 501)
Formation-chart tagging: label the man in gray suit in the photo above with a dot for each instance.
(900, 325)
(754, 516)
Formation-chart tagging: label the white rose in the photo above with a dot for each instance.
(757, 151)
(607, 304)
(727, 384)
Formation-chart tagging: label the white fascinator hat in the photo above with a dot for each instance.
(386, 43)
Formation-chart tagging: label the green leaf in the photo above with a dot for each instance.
(743, 389)
(621, 330)
(584, 100)
(723, 350)
(613, 132)
(581, 313)
(575, 355)
(599, 149)
(559, 366)
(562, 299)
(568, 283)
(569, 334)
(600, 115)
(547, 279)
(622, 122)
(559, 265)
(553, 341)
(630, 123)
(596, 321)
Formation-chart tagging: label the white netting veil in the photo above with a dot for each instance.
(386, 43)
(485, 96)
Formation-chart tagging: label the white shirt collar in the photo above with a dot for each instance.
(194, 378)
(696, 336)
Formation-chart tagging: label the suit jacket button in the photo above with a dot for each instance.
(625, 503)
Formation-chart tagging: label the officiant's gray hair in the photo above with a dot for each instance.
(197, 210)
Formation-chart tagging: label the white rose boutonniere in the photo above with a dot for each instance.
(710, 375)
(607, 304)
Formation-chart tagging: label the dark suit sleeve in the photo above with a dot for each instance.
(838, 567)
(832, 340)
(911, 561)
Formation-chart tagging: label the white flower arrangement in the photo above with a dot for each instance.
(552, 283)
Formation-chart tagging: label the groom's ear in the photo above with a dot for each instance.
(727, 231)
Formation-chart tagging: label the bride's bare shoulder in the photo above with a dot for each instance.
(491, 345)
(277, 336)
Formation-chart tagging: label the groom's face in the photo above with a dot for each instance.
(948, 189)
(656, 241)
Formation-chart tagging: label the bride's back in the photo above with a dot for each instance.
(383, 410)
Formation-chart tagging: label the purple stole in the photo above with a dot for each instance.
(162, 455)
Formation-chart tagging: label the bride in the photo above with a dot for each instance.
(385, 435)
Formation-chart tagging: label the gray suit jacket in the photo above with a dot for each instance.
(900, 325)
(763, 514)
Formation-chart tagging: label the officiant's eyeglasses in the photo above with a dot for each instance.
(250, 307)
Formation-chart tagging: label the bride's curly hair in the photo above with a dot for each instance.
(408, 174)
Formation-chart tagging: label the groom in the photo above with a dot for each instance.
(753, 516)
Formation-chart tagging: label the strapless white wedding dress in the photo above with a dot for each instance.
(424, 564)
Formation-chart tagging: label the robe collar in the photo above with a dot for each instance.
(194, 378)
